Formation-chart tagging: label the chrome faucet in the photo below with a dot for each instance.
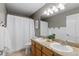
(66, 42)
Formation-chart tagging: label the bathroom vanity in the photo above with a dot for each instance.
(43, 48)
(40, 50)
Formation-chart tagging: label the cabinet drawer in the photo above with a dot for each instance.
(38, 52)
(47, 51)
(38, 46)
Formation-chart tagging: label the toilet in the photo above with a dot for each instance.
(28, 49)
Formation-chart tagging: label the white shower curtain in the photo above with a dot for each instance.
(21, 31)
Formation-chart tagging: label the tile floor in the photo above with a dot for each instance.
(19, 53)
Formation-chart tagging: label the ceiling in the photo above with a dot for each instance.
(29, 9)
(26, 9)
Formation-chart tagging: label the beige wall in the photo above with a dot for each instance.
(2, 12)
(60, 19)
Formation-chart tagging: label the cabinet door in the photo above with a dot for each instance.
(33, 51)
(33, 48)
(38, 52)
(38, 46)
(47, 51)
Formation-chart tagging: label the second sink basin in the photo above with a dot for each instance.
(61, 48)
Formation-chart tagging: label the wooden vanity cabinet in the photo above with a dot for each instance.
(40, 50)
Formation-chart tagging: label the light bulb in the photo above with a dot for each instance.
(50, 11)
(46, 13)
(55, 9)
(61, 6)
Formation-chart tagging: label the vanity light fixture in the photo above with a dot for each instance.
(53, 9)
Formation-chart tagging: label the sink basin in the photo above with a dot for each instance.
(40, 39)
(61, 48)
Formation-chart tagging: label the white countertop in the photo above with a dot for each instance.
(75, 51)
